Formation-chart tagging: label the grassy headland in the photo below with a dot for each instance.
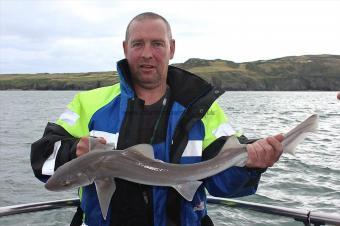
(57, 81)
(309, 72)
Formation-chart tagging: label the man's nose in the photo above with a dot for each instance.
(147, 51)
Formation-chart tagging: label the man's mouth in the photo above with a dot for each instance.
(146, 66)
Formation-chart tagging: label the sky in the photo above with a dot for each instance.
(52, 36)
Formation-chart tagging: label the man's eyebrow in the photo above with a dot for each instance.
(158, 40)
(136, 40)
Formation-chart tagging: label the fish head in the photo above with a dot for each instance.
(61, 182)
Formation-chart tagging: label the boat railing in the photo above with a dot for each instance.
(307, 217)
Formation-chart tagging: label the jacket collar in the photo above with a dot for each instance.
(185, 87)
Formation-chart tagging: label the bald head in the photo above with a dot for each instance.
(148, 15)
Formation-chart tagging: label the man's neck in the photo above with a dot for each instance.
(151, 96)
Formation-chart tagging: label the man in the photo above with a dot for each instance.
(154, 103)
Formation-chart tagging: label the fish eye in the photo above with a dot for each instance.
(66, 182)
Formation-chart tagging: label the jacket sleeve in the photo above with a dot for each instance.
(59, 141)
(55, 148)
(235, 181)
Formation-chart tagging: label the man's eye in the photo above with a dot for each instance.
(136, 44)
(158, 44)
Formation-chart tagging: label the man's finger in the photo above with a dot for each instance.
(82, 146)
(268, 154)
(280, 137)
(265, 145)
(252, 155)
(277, 146)
(102, 140)
(261, 155)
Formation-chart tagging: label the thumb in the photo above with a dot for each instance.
(280, 137)
(102, 140)
(83, 142)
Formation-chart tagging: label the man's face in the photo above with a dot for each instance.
(148, 50)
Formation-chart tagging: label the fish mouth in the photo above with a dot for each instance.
(50, 186)
(55, 186)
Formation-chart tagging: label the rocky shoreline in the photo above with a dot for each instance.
(308, 72)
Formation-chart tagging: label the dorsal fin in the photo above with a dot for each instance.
(144, 149)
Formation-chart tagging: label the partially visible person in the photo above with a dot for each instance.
(170, 108)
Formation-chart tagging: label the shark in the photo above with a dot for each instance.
(137, 164)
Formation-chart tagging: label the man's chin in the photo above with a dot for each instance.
(148, 85)
(147, 80)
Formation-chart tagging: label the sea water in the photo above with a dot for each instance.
(310, 180)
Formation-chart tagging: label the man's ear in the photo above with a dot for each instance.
(125, 47)
(172, 48)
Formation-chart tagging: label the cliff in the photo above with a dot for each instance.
(309, 72)
(57, 81)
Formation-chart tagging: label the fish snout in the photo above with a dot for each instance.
(51, 185)
(54, 185)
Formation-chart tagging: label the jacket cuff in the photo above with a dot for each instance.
(73, 153)
(257, 170)
(254, 176)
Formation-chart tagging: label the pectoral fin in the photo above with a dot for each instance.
(188, 189)
(105, 189)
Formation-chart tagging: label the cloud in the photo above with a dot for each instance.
(74, 35)
(40, 36)
(53, 19)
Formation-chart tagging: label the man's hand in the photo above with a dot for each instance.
(265, 152)
(83, 145)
